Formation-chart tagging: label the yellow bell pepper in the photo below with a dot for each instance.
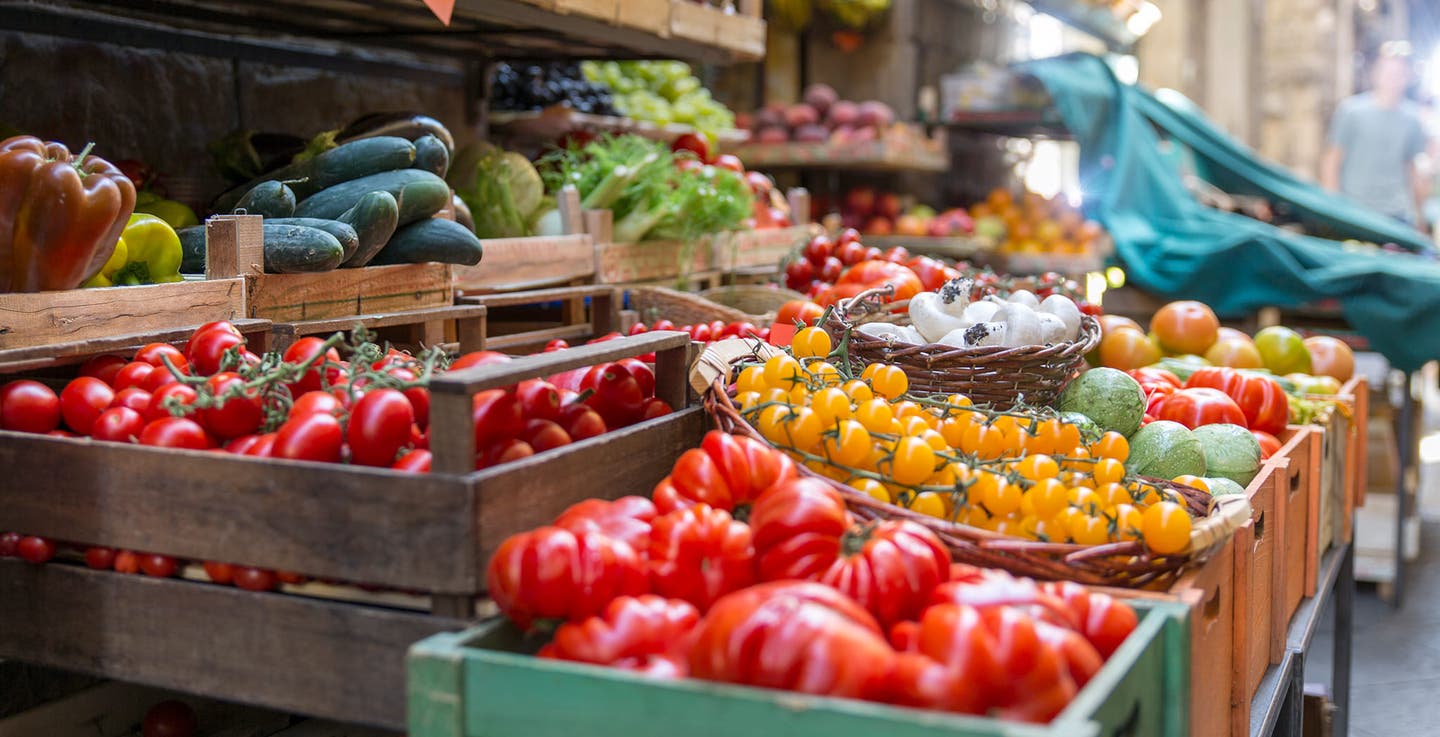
(148, 253)
(175, 213)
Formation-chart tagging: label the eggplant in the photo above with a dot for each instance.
(409, 126)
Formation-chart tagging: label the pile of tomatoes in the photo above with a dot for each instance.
(1217, 395)
(704, 332)
(829, 270)
(1027, 475)
(800, 596)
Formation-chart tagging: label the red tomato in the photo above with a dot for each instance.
(552, 573)
(9, 543)
(556, 345)
(221, 573)
(796, 310)
(416, 461)
(538, 399)
(255, 579)
(1185, 327)
(169, 719)
(654, 408)
(82, 401)
(638, 328)
(644, 375)
(663, 324)
(419, 398)
(581, 422)
(897, 255)
(1103, 620)
(303, 350)
(175, 432)
(135, 398)
(798, 273)
(101, 559)
(29, 406)
(701, 333)
(134, 374)
(313, 437)
(159, 566)
(618, 396)
(263, 446)
(103, 367)
(503, 451)
(933, 274)
(206, 351)
(126, 561)
(872, 274)
(694, 144)
(316, 402)
(217, 325)
(243, 444)
(793, 636)
(647, 634)
(1269, 444)
(170, 394)
(1261, 398)
(727, 472)
(803, 532)
(730, 162)
(848, 235)
(155, 354)
(850, 253)
(497, 417)
(699, 554)
(831, 270)
(627, 519)
(118, 424)
(478, 358)
(1152, 375)
(1202, 406)
(379, 427)
(542, 435)
(34, 549)
(818, 249)
(237, 415)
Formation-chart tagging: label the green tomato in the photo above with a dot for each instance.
(1282, 350)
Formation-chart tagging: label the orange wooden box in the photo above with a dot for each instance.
(1297, 472)
(1258, 549)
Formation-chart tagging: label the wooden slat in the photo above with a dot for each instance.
(648, 15)
(59, 354)
(349, 523)
(76, 315)
(335, 661)
(530, 338)
(345, 292)
(382, 320)
(536, 296)
(532, 491)
(494, 376)
(526, 263)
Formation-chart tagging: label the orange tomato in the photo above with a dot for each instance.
(1235, 353)
(1127, 349)
(1185, 326)
(872, 274)
(799, 310)
(1110, 323)
(1227, 332)
(1330, 357)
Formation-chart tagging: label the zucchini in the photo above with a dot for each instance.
(343, 163)
(420, 194)
(192, 249)
(374, 219)
(445, 241)
(349, 238)
(270, 198)
(292, 249)
(432, 156)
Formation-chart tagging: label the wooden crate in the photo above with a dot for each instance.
(1296, 488)
(756, 248)
(602, 9)
(1257, 640)
(742, 32)
(652, 16)
(425, 533)
(484, 681)
(114, 709)
(14, 360)
(416, 328)
(515, 323)
(1358, 452)
(35, 319)
(528, 263)
(235, 245)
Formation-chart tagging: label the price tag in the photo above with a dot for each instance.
(442, 9)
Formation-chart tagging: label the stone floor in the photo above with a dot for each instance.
(1395, 672)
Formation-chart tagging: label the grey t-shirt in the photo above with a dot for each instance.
(1378, 143)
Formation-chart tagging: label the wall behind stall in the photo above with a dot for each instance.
(164, 108)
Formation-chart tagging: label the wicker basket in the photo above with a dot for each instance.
(682, 308)
(995, 376)
(1128, 564)
(759, 302)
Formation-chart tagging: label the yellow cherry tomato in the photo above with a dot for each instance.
(824, 373)
(928, 503)
(832, 405)
(1129, 522)
(875, 415)
(1111, 445)
(912, 462)
(751, 379)
(873, 488)
(848, 443)
(1048, 497)
(1086, 529)
(811, 343)
(984, 441)
(1114, 494)
(783, 372)
(1108, 471)
(1036, 467)
(857, 390)
(803, 428)
(889, 381)
(747, 400)
(1166, 527)
(1194, 481)
(1086, 500)
(1001, 497)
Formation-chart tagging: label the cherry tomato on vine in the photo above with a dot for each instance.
(134, 374)
(221, 573)
(479, 358)
(103, 367)
(313, 437)
(175, 432)
(416, 461)
(206, 350)
(303, 350)
(101, 559)
(118, 424)
(127, 561)
(316, 402)
(1166, 527)
(255, 579)
(538, 399)
(183, 394)
(34, 549)
(379, 427)
(158, 566)
(240, 414)
(29, 406)
(82, 401)
(156, 353)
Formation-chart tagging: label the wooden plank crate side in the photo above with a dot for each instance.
(257, 334)
(1294, 489)
(1258, 572)
(350, 523)
(484, 681)
(80, 315)
(113, 708)
(301, 655)
(1358, 452)
(428, 326)
(603, 315)
(528, 263)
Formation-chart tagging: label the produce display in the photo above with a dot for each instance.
(536, 86)
(884, 213)
(838, 607)
(1033, 224)
(821, 117)
(660, 92)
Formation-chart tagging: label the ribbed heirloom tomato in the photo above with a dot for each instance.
(553, 573)
(648, 634)
(626, 519)
(1261, 398)
(1200, 406)
(726, 472)
(699, 554)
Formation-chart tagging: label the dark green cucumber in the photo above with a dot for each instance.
(293, 249)
(445, 241)
(432, 156)
(343, 232)
(374, 219)
(192, 249)
(271, 198)
(343, 163)
(420, 194)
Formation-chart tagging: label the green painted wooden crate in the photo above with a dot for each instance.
(484, 683)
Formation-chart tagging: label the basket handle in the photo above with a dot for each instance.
(845, 306)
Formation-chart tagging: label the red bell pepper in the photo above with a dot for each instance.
(1260, 397)
(1201, 406)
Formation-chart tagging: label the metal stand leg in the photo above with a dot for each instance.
(1292, 711)
(1344, 625)
(1406, 445)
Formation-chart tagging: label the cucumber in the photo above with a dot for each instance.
(432, 156)
(293, 249)
(420, 194)
(445, 241)
(343, 232)
(374, 219)
(270, 198)
(343, 163)
(192, 249)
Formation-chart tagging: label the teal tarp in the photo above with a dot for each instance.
(1172, 245)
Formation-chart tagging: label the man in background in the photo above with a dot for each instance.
(1376, 143)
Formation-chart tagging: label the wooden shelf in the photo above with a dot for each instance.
(956, 247)
(553, 122)
(1010, 123)
(891, 152)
